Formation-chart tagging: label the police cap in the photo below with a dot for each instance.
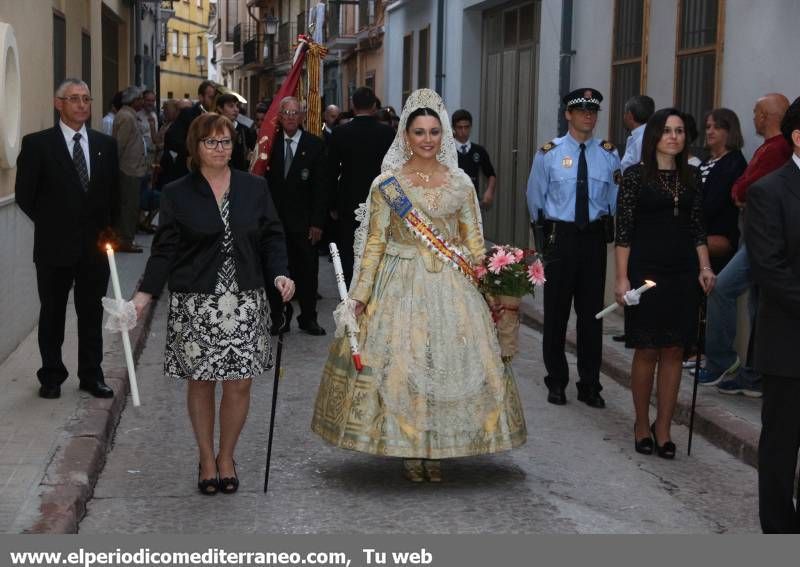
(588, 99)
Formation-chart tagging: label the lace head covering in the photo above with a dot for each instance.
(399, 152)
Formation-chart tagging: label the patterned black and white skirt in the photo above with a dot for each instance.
(218, 336)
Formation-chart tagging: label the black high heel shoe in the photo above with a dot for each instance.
(207, 486)
(229, 485)
(665, 451)
(643, 445)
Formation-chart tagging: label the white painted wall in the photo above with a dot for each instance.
(592, 39)
(548, 102)
(19, 302)
(661, 52)
(403, 17)
(759, 57)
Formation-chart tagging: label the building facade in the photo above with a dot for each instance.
(509, 62)
(254, 43)
(44, 42)
(184, 56)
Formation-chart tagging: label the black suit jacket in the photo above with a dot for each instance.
(772, 234)
(187, 248)
(355, 154)
(301, 198)
(243, 142)
(175, 141)
(68, 221)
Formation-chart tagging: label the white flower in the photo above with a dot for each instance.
(191, 349)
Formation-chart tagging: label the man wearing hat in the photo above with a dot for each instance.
(572, 194)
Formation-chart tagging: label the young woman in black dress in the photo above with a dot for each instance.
(660, 237)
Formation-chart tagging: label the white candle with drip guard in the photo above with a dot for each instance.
(126, 340)
(648, 284)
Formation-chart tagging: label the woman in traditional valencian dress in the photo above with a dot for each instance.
(433, 384)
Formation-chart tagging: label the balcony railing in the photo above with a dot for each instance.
(287, 33)
(251, 52)
(366, 13)
(237, 38)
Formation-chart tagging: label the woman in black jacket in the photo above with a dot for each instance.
(219, 243)
(719, 171)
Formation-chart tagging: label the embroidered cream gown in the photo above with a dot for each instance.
(433, 385)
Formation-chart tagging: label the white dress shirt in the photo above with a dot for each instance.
(108, 123)
(796, 159)
(68, 134)
(295, 141)
(633, 148)
(463, 148)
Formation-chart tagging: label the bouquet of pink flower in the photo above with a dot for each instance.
(511, 271)
(506, 275)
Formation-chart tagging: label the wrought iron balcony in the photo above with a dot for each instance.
(251, 52)
(237, 38)
(287, 34)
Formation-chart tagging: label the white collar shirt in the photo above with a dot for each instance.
(633, 148)
(69, 133)
(796, 159)
(464, 148)
(295, 139)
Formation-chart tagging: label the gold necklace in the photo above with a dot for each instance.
(424, 176)
(675, 192)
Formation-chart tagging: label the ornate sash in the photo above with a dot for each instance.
(421, 226)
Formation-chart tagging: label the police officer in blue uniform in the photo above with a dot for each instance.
(572, 194)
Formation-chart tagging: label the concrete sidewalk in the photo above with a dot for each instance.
(732, 423)
(52, 450)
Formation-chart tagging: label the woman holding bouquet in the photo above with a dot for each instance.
(433, 384)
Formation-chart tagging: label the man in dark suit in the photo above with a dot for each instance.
(773, 246)
(67, 183)
(355, 154)
(175, 140)
(297, 184)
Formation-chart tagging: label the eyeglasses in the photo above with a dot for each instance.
(213, 144)
(75, 99)
(290, 113)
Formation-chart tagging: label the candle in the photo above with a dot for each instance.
(648, 284)
(126, 340)
(351, 334)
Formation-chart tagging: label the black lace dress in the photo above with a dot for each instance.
(662, 224)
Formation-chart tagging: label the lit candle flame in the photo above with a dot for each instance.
(650, 283)
(109, 248)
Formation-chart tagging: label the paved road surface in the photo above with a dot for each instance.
(578, 473)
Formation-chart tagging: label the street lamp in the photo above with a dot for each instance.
(271, 25)
(201, 62)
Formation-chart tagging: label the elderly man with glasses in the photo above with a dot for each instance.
(66, 183)
(297, 182)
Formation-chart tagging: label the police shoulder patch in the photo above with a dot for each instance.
(607, 146)
(547, 147)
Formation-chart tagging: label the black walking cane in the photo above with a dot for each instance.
(274, 399)
(701, 343)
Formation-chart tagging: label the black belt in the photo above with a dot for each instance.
(593, 226)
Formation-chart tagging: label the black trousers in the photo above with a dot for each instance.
(304, 270)
(777, 455)
(90, 278)
(345, 235)
(575, 272)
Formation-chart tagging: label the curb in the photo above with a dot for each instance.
(71, 475)
(718, 426)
